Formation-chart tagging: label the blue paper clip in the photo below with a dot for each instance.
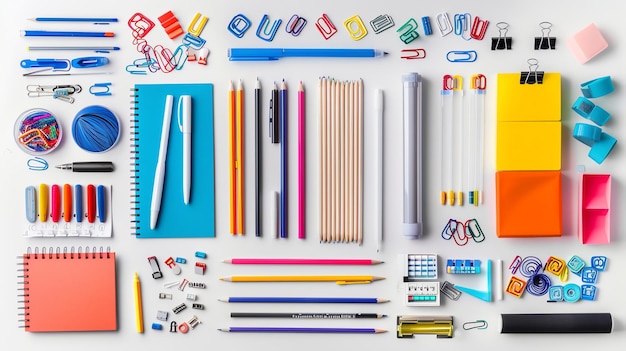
(135, 67)
(89, 62)
(100, 89)
(239, 25)
(193, 42)
(37, 164)
(55, 64)
(179, 57)
(461, 56)
(462, 25)
(262, 31)
(295, 25)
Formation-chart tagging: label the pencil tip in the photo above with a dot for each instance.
(385, 53)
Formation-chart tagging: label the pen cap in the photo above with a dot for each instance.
(184, 113)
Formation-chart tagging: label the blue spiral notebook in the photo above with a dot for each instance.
(176, 219)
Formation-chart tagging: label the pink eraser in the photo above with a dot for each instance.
(587, 43)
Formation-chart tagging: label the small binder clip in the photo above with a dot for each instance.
(295, 25)
(325, 26)
(239, 25)
(381, 23)
(444, 24)
(355, 27)
(532, 76)
(545, 42)
(408, 31)
(502, 42)
(407, 326)
(264, 31)
(479, 28)
(418, 53)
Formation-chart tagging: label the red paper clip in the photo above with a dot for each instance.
(479, 28)
(325, 26)
(418, 53)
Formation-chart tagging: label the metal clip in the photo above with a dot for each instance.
(418, 53)
(462, 25)
(325, 26)
(502, 42)
(443, 23)
(239, 25)
(264, 31)
(532, 76)
(462, 56)
(295, 25)
(479, 324)
(545, 42)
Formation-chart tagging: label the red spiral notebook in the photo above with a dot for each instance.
(68, 290)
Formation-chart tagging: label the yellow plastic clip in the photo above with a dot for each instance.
(407, 326)
(196, 28)
(355, 27)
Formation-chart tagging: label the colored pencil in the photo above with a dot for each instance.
(301, 330)
(231, 157)
(307, 315)
(254, 299)
(45, 33)
(71, 48)
(239, 163)
(283, 160)
(339, 279)
(301, 164)
(74, 19)
(324, 261)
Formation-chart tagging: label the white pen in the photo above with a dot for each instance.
(412, 135)
(184, 111)
(159, 174)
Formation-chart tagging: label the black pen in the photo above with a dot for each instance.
(95, 166)
(257, 159)
(274, 122)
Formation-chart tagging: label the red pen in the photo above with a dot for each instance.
(67, 203)
(91, 203)
(56, 203)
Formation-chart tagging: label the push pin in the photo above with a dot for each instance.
(202, 56)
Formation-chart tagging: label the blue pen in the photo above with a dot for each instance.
(78, 202)
(272, 54)
(45, 33)
(101, 203)
(75, 19)
(283, 159)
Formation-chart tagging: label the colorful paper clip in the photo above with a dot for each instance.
(443, 23)
(325, 26)
(239, 25)
(140, 25)
(462, 25)
(355, 27)
(193, 42)
(100, 89)
(295, 25)
(197, 24)
(408, 31)
(264, 31)
(381, 23)
(462, 56)
(413, 54)
(479, 28)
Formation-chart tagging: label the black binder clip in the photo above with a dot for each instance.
(545, 42)
(532, 76)
(502, 42)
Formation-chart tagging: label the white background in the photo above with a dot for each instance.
(524, 18)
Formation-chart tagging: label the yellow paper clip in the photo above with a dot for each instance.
(196, 28)
(407, 326)
(355, 27)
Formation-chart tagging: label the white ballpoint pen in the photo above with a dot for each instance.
(184, 124)
(157, 188)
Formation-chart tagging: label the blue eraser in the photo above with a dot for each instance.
(200, 254)
(181, 260)
(157, 326)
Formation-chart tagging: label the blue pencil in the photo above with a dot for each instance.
(44, 33)
(303, 300)
(74, 19)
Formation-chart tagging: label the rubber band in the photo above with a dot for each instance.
(96, 129)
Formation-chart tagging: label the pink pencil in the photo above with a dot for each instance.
(301, 161)
(326, 261)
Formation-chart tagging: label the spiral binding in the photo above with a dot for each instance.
(134, 162)
(48, 254)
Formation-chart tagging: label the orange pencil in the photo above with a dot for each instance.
(240, 160)
(231, 149)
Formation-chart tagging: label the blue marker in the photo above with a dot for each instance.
(78, 202)
(101, 202)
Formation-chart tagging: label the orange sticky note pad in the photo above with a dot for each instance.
(528, 204)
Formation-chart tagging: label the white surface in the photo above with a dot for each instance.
(523, 17)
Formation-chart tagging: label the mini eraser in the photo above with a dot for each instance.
(587, 43)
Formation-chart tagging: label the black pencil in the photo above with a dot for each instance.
(306, 315)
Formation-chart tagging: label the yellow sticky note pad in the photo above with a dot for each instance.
(528, 102)
(523, 146)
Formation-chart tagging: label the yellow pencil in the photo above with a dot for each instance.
(138, 307)
(339, 279)
(232, 157)
(239, 128)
